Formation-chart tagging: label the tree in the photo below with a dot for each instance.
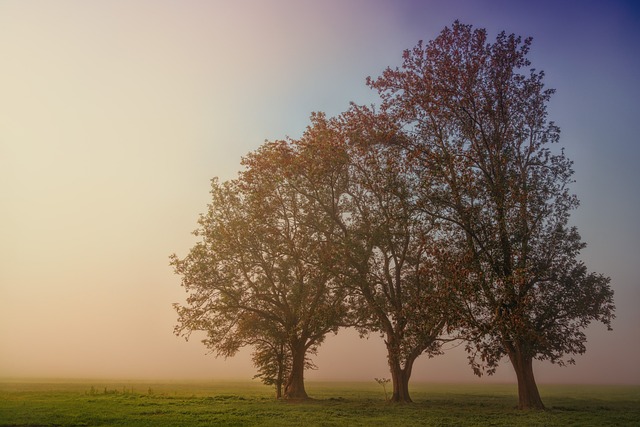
(383, 239)
(477, 130)
(273, 362)
(257, 275)
(272, 356)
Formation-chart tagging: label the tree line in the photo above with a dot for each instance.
(441, 214)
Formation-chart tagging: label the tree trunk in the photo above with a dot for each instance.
(400, 378)
(294, 389)
(281, 369)
(528, 395)
(400, 381)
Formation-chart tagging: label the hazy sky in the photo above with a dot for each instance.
(115, 115)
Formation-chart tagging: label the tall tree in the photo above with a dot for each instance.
(258, 274)
(384, 240)
(476, 118)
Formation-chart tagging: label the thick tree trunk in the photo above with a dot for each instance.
(528, 395)
(400, 377)
(294, 389)
(400, 381)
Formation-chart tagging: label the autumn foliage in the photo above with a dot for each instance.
(443, 214)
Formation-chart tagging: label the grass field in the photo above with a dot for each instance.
(96, 403)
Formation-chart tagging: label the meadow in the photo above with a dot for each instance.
(125, 403)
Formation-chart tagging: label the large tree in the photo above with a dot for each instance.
(258, 274)
(384, 240)
(475, 116)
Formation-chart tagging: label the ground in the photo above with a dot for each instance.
(108, 403)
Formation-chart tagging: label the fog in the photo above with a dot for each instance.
(115, 115)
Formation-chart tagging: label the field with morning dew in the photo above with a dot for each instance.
(126, 403)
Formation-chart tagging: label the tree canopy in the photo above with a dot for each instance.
(477, 128)
(384, 239)
(258, 274)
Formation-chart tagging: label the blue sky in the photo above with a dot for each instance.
(115, 115)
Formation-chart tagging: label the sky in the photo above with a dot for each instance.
(115, 115)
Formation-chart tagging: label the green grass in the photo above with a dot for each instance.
(95, 403)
